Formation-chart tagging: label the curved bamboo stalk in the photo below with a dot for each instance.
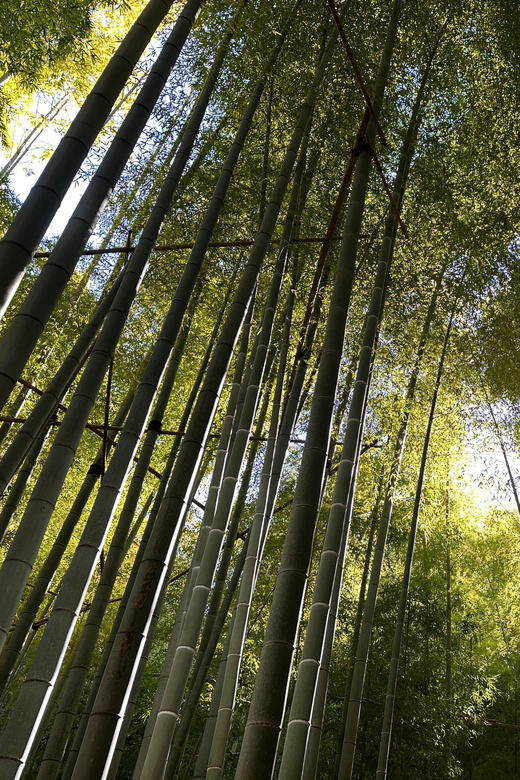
(105, 720)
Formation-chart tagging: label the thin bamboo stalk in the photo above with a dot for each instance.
(263, 513)
(386, 733)
(358, 676)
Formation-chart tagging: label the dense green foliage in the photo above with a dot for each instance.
(457, 702)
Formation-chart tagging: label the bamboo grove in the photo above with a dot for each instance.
(259, 400)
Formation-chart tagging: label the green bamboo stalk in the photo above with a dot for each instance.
(267, 492)
(71, 761)
(141, 517)
(358, 618)
(165, 534)
(26, 327)
(283, 437)
(36, 214)
(17, 489)
(201, 763)
(168, 714)
(13, 411)
(49, 401)
(199, 677)
(311, 751)
(53, 701)
(114, 763)
(386, 733)
(216, 614)
(262, 731)
(207, 519)
(309, 693)
(29, 610)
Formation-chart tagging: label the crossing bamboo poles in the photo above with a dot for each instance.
(262, 731)
(29, 609)
(50, 400)
(28, 323)
(35, 215)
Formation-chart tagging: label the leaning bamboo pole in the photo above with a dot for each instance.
(388, 499)
(167, 716)
(154, 570)
(35, 215)
(67, 439)
(26, 327)
(73, 753)
(209, 508)
(216, 615)
(260, 743)
(256, 541)
(63, 721)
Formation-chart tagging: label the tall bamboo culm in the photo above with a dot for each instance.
(260, 743)
(386, 732)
